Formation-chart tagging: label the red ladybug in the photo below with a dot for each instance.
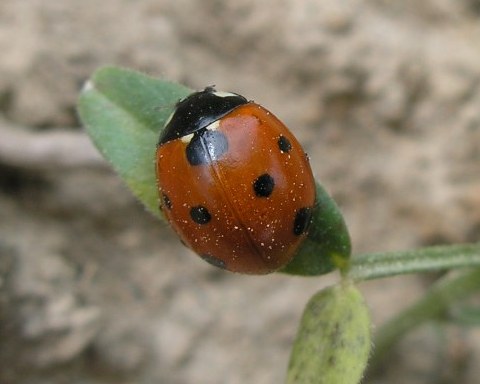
(234, 183)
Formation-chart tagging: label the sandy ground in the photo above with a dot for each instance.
(384, 95)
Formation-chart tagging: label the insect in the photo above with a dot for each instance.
(234, 183)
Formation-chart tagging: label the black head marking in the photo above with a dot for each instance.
(284, 144)
(197, 111)
(263, 185)
(303, 217)
(200, 214)
(206, 146)
(214, 261)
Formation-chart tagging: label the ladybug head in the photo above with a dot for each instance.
(197, 111)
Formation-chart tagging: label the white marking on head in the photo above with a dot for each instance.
(214, 126)
(169, 118)
(187, 138)
(224, 94)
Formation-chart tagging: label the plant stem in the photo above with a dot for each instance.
(376, 265)
(443, 294)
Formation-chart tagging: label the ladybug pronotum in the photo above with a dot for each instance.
(234, 183)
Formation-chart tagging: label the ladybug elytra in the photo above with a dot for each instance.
(234, 183)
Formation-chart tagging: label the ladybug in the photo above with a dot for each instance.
(234, 183)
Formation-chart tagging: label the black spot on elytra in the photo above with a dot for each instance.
(167, 203)
(284, 144)
(206, 146)
(303, 217)
(214, 261)
(200, 215)
(263, 185)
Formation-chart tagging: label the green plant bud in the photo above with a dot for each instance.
(333, 341)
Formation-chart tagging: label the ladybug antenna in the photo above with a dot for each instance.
(210, 88)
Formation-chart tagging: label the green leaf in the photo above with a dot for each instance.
(328, 243)
(123, 112)
(333, 341)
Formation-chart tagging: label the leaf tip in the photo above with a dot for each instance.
(87, 86)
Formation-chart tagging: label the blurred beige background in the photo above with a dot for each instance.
(385, 97)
